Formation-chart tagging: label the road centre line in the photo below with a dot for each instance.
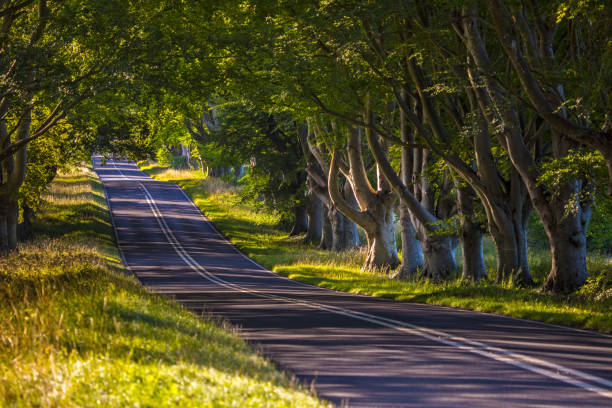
(528, 363)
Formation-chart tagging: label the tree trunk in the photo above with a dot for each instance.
(473, 259)
(568, 271)
(510, 240)
(337, 226)
(566, 231)
(439, 254)
(567, 238)
(522, 276)
(382, 247)
(351, 235)
(300, 221)
(326, 231)
(314, 213)
(186, 153)
(471, 232)
(471, 235)
(412, 253)
(507, 255)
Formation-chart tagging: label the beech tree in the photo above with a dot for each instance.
(54, 56)
(449, 123)
(337, 232)
(350, 84)
(375, 214)
(562, 56)
(565, 226)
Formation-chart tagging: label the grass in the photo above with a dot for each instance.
(255, 233)
(77, 330)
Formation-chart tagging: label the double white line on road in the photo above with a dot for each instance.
(558, 372)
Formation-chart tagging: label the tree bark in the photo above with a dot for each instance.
(382, 247)
(512, 260)
(326, 231)
(412, 253)
(568, 271)
(337, 227)
(351, 235)
(439, 254)
(471, 232)
(567, 239)
(314, 213)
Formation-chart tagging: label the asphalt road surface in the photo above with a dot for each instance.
(356, 350)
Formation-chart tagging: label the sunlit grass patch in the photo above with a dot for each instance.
(255, 233)
(77, 330)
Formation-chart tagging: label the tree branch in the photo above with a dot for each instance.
(359, 217)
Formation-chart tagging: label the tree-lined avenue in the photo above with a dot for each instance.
(355, 349)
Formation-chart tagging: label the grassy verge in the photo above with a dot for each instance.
(76, 330)
(255, 233)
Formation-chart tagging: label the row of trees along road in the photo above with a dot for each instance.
(460, 118)
(67, 74)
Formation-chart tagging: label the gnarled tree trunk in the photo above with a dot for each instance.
(375, 214)
(412, 253)
(438, 246)
(566, 230)
(351, 235)
(567, 239)
(471, 232)
(336, 220)
(382, 247)
(439, 254)
(314, 213)
(341, 232)
(13, 176)
(327, 238)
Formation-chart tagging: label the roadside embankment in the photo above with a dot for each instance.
(76, 329)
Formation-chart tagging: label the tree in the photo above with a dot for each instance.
(562, 56)
(566, 230)
(375, 214)
(54, 57)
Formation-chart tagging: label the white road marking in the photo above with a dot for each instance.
(525, 362)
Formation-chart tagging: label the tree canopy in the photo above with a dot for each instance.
(457, 118)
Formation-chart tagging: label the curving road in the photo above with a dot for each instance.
(356, 350)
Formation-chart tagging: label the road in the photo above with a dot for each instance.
(356, 350)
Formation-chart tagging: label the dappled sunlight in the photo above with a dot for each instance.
(256, 235)
(79, 330)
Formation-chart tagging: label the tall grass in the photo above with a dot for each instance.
(77, 330)
(255, 232)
